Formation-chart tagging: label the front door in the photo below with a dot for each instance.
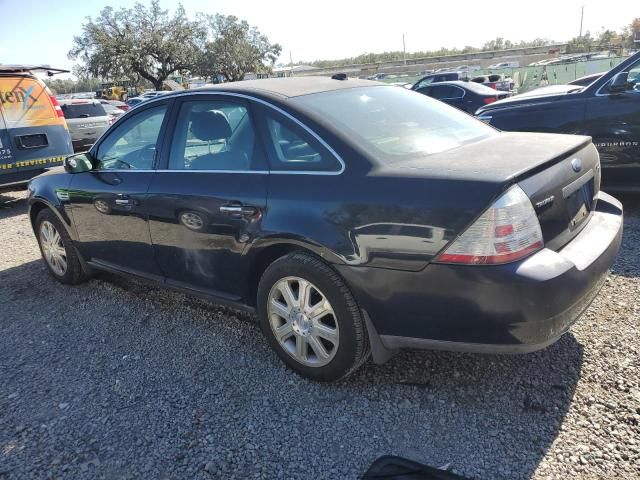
(207, 202)
(108, 202)
(613, 120)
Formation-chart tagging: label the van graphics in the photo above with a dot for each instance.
(5, 153)
(36, 162)
(25, 103)
(20, 96)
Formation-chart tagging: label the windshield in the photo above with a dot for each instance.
(394, 123)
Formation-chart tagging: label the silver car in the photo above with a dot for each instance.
(86, 119)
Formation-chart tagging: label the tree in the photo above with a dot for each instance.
(233, 48)
(137, 42)
(629, 33)
(580, 44)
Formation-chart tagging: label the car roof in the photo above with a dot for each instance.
(289, 87)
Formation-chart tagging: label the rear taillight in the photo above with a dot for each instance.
(123, 107)
(56, 106)
(509, 230)
(491, 85)
(488, 100)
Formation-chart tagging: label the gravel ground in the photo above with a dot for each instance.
(116, 380)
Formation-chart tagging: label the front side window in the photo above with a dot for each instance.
(132, 145)
(425, 82)
(295, 149)
(633, 80)
(214, 135)
(394, 123)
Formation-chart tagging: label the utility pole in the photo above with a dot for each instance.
(290, 64)
(404, 51)
(581, 19)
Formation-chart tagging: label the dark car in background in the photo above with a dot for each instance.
(608, 110)
(467, 96)
(439, 77)
(87, 119)
(352, 216)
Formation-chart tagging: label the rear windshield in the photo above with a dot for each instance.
(83, 110)
(394, 123)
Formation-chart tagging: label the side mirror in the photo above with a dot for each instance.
(78, 163)
(619, 82)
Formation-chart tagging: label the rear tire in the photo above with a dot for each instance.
(311, 319)
(57, 249)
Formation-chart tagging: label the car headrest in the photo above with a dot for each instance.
(209, 126)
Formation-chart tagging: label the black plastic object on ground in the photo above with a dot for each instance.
(398, 468)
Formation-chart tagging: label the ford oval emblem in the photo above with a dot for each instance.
(576, 164)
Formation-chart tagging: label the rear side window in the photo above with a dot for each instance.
(446, 92)
(25, 102)
(215, 135)
(83, 110)
(295, 149)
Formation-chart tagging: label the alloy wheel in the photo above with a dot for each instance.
(303, 321)
(53, 248)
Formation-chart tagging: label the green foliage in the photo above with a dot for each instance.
(497, 44)
(139, 42)
(233, 48)
(59, 86)
(147, 43)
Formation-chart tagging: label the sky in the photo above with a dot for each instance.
(41, 31)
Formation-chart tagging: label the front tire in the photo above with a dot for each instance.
(311, 319)
(57, 249)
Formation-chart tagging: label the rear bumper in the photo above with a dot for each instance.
(514, 308)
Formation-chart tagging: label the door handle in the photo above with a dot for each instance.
(238, 211)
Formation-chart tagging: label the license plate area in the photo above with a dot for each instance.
(579, 199)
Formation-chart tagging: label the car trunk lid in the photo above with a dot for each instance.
(559, 173)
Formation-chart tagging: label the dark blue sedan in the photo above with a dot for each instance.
(467, 96)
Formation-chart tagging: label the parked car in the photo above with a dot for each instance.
(87, 119)
(495, 81)
(112, 111)
(153, 94)
(607, 109)
(498, 66)
(33, 132)
(467, 96)
(586, 80)
(134, 101)
(350, 215)
(121, 105)
(439, 77)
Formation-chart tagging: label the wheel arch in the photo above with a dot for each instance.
(269, 251)
(36, 205)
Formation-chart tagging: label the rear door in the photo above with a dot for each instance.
(109, 202)
(207, 203)
(613, 120)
